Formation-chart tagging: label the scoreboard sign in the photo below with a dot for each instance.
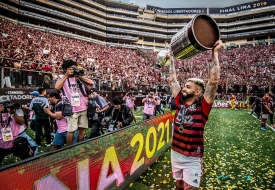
(112, 161)
(242, 7)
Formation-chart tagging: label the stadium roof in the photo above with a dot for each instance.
(186, 3)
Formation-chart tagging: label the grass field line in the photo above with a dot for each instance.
(266, 123)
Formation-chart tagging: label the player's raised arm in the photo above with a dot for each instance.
(174, 84)
(214, 78)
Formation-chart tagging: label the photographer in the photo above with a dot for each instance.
(158, 109)
(118, 115)
(60, 121)
(13, 138)
(74, 87)
(149, 106)
(41, 118)
(96, 108)
(130, 99)
(164, 100)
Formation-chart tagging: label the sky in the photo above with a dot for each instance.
(186, 3)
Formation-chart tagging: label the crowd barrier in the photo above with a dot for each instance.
(23, 96)
(112, 161)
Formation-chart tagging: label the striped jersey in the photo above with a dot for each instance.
(188, 139)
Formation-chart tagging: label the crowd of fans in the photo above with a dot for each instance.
(243, 69)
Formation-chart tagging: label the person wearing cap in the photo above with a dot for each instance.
(11, 127)
(41, 118)
(35, 94)
(193, 105)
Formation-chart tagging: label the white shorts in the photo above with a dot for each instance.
(187, 168)
(265, 116)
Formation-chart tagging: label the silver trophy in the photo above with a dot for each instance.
(199, 35)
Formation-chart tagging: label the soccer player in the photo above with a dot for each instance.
(232, 100)
(193, 104)
(266, 109)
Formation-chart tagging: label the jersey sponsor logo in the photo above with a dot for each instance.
(182, 118)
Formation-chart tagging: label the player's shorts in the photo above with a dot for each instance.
(264, 116)
(187, 168)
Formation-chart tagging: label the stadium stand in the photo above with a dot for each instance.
(116, 43)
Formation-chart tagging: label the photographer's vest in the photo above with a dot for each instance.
(158, 100)
(149, 106)
(78, 100)
(8, 126)
(129, 102)
(189, 125)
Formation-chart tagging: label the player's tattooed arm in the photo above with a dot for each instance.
(174, 84)
(214, 78)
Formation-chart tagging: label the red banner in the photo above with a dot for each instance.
(111, 161)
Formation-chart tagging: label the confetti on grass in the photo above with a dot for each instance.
(238, 155)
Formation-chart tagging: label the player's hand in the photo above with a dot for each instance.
(218, 46)
(168, 55)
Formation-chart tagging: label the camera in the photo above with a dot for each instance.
(106, 121)
(129, 94)
(77, 71)
(12, 106)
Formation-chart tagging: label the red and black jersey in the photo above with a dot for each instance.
(192, 118)
(271, 103)
(267, 101)
(264, 110)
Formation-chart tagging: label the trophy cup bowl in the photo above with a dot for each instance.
(199, 35)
